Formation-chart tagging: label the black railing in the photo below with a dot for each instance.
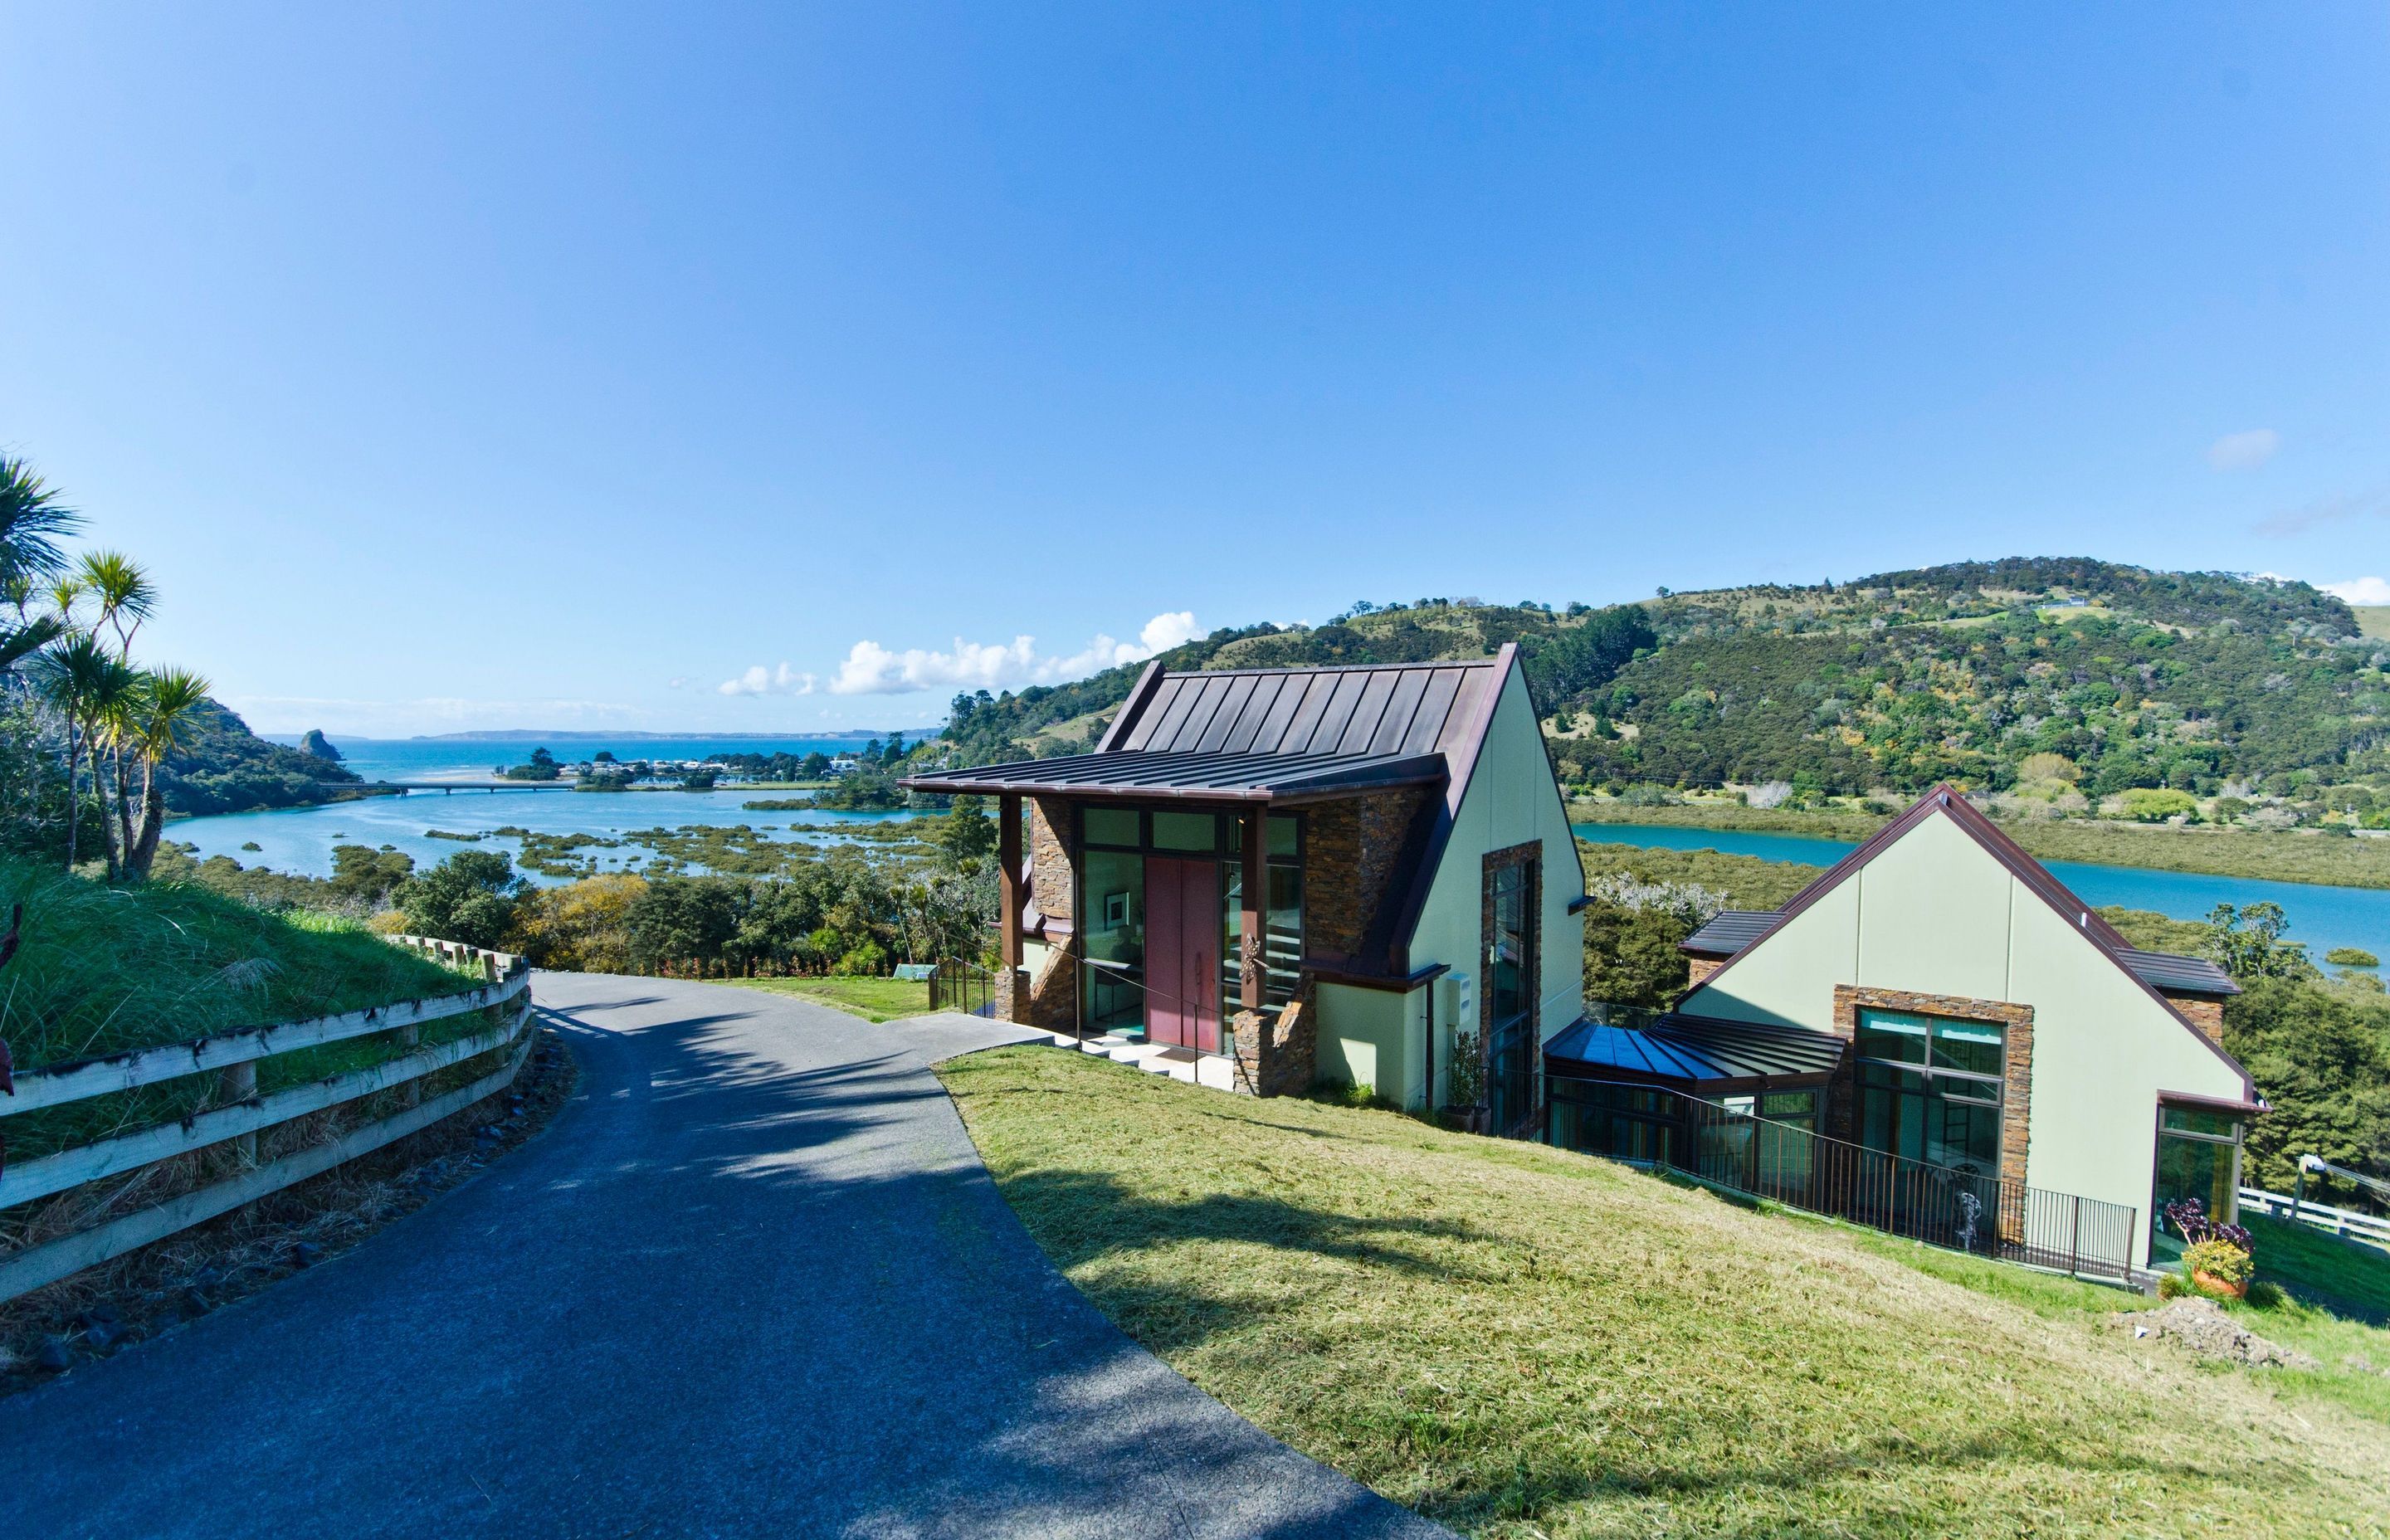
(1964, 1211)
(956, 985)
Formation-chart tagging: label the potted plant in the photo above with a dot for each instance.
(2219, 1260)
(1464, 1082)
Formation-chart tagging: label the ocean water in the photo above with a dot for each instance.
(2321, 916)
(300, 839)
(417, 758)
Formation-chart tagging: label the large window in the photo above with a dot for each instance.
(1511, 1049)
(1931, 1088)
(1115, 846)
(2199, 1156)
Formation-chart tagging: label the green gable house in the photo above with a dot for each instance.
(1266, 878)
(1968, 1037)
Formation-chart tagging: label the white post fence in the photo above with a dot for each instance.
(242, 1113)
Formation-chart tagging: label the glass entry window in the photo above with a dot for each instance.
(1931, 1088)
(2199, 1156)
(1161, 900)
(1510, 1047)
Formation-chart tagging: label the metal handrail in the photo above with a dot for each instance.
(1962, 1210)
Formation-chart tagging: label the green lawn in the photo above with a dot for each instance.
(1520, 1341)
(877, 999)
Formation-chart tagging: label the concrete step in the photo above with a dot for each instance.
(1216, 1072)
(1135, 1053)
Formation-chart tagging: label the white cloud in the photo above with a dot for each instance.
(871, 669)
(1165, 630)
(760, 680)
(2243, 450)
(2364, 590)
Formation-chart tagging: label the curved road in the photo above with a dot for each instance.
(753, 1281)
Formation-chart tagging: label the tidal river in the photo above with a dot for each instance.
(299, 841)
(2321, 916)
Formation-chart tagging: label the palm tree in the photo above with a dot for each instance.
(87, 686)
(169, 702)
(125, 594)
(33, 522)
(126, 597)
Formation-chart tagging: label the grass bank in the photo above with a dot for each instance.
(1520, 1342)
(874, 999)
(101, 969)
(2337, 860)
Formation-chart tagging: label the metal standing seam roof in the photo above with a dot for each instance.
(2183, 975)
(1693, 1049)
(1369, 709)
(1728, 931)
(1239, 778)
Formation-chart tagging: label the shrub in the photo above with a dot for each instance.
(2152, 805)
(868, 959)
(2221, 1260)
(2191, 1220)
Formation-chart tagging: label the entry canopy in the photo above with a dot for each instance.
(1137, 775)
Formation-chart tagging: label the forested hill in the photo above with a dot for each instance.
(1960, 672)
(220, 766)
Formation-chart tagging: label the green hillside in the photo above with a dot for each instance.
(2075, 676)
(220, 766)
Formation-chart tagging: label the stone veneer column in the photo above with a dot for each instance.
(2016, 1098)
(1699, 969)
(2206, 1015)
(1275, 1059)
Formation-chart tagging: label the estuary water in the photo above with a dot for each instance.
(423, 759)
(2321, 916)
(300, 839)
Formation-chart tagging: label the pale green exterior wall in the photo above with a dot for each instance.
(1512, 798)
(1373, 1038)
(1937, 914)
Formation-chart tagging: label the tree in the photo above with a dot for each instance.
(2320, 1057)
(966, 836)
(366, 878)
(85, 685)
(168, 703)
(471, 898)
(2248, 945)
(33, 522)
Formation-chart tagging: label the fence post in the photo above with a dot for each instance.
(2074, 1238)
(238, 1083)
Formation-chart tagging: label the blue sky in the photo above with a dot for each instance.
(780, 367)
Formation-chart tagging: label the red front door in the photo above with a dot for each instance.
(1182, 953)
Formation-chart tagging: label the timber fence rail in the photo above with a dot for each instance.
(2347, 1223)
(240, 1112)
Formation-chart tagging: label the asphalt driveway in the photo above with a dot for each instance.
(753, 1281)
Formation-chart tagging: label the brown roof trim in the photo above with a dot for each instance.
(1460, 762)
(2212, 1104)
(1948, 800)
(1340, 973)
(1131, 708)
(1348, 668)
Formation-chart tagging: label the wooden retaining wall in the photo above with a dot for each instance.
(235, 1056)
